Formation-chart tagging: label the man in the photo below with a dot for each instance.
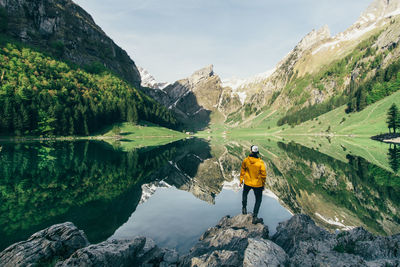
(253, 174)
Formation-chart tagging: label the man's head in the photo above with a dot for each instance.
(254, 149)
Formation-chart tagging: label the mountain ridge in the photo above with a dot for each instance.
(66, 30)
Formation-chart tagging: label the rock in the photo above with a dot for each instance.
(217, 258)
(65, 29)
(360, 242)
(193, 99)
(225, 243)
(107, 253)
(232, 242)
(300, 228)
(57, 241)
(152, 254)
(171, 256)
(261, 252)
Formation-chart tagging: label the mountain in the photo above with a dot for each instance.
(62, 75)
(67, 31)
(193, 99)
(323, 72)
(149, 81)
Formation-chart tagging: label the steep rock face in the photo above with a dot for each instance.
(68, 31)
(194, 98)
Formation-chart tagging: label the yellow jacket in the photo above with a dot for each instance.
(253, 172)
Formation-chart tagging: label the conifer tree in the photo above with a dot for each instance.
(393, 118)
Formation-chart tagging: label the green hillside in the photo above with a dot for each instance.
(368, 122)
(43, 96)
(127, 136)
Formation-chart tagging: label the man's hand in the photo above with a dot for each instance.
(240, 184)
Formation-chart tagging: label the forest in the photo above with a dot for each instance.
(42, 96)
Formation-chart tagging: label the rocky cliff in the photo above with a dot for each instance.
(193, 99)
(232, 242)
(69, 32)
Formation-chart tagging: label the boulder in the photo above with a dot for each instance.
(57, 241)
(300, 228)
(107, 253)
(225, 244)
(260, 252)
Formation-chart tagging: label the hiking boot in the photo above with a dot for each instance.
(257, 220)
(244, 211)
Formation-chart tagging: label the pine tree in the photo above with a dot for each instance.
(132, 115)
(393, 118)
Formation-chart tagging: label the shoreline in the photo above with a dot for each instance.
(234, 241)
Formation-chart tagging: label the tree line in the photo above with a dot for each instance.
(43, 96)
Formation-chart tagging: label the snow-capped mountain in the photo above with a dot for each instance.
(373, 17)
(149, 81)
(237, 85)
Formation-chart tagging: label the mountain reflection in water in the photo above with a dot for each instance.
(174, 192)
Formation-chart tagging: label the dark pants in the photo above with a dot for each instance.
(258, 195)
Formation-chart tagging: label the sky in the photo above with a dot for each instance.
(173, 38)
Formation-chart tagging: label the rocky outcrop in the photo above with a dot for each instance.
(69, 32)
(309, 245)
(140, 251)
(57, 241)
(226, 243)
(233, 241)
(64, 245)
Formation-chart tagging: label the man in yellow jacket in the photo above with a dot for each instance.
(253, 175)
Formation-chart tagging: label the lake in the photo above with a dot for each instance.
(173, 193)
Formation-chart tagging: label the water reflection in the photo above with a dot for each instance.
(88, 183)
(174, 192)
(336, 194)
(394, 157)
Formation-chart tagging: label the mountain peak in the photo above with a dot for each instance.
(381, 8)
(149, 81)
(201, 74)
(314, 37)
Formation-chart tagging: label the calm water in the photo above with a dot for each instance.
(173, 193)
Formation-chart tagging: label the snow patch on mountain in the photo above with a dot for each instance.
(149, 81)
(371, 18)
(149, 189)
(238, 85)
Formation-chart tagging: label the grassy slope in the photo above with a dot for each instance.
(368, 122)
(339, 141)
(133, 136)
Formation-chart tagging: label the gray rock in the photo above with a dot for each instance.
(171, 256)
(300, 228)
(262, 252)
(107, 253)
(360, 242)
(216, 259)
(384, 263)
(229, 238)
(57, 241)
